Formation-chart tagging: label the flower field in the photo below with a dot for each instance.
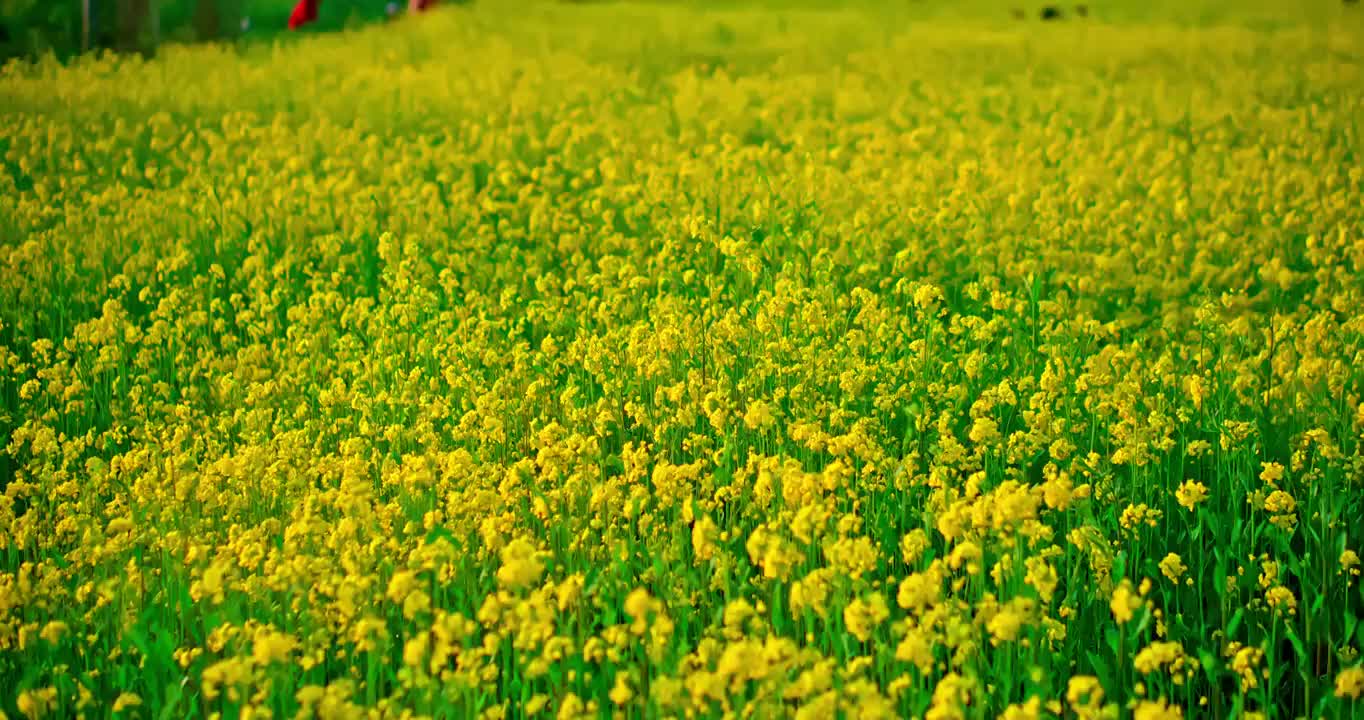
(684, 360)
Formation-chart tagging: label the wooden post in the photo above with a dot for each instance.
(206, 26)
(85, 25)
(132, 24)
(217, 19)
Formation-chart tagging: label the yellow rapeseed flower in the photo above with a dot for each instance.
(1124, 602)
(1172, 567)
(1350, 683)
(1191, 493)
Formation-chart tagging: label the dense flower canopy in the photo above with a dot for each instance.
(663, 360)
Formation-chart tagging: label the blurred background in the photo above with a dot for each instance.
(66, 27)
(63, 28)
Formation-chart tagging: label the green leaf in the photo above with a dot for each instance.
(1101, 668)
(171, 702)
(1235, 624)
(1210, 665)
(1298, 648)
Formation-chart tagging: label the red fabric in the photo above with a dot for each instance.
(304, 12)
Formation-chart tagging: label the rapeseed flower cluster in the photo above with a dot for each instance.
(782, 362)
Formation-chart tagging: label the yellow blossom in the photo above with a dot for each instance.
(1172, 567)
(1350, 683)
(1191, 493)
(522, 565)
(862, 616)
(126, 700)
(1124, 602)
(1157, 710)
